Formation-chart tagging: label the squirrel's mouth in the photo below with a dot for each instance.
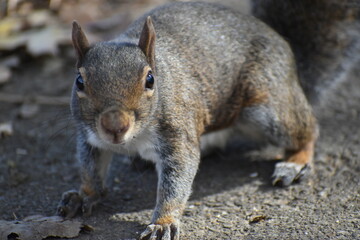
(111, 137)
(113, 125)
(114, 139)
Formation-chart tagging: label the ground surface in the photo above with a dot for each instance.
(232, 196)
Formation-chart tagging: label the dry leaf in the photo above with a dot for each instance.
(40, 18)
(47, 40)
(40, 41)
(44, 35)
(257, 218)
(39, 227)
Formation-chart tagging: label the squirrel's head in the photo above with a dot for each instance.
(114, 93)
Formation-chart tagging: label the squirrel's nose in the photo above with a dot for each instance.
(120, 129)
(115, 123)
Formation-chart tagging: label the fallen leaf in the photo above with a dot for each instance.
(257, 218)
(40, 32)
(39, 18)
(38, 41)
(47, 40)
(39, 227)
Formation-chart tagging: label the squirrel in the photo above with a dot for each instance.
(184, 77)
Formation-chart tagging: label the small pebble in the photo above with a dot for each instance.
(5, 74)
(28, 110)
(21, 151)
(254, 174)
(6, 129)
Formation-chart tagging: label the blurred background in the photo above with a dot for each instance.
(37, 143)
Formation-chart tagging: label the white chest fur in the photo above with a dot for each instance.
(213, 140)
(145, 144)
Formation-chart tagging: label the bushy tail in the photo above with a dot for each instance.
(324, 35)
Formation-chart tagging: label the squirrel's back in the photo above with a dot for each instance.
(207, 46)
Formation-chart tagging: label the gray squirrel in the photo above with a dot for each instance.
(178, 74)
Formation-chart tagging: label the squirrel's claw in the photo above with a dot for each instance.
(87, 205)
(288, 172)
(70, 204)
(163, 232)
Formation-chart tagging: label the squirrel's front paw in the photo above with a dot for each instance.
(161, 231)
(72, 202)
(288, 172)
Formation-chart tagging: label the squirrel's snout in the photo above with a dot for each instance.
(114, 124)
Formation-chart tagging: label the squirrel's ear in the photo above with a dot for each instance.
(80, 42)
(147, 41)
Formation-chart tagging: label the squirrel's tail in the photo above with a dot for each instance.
(324, 35)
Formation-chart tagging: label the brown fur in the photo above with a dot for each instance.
(165, 220)
(302, 156)
(80, 42)
(88, 189)
(256, 98)
(147, 42)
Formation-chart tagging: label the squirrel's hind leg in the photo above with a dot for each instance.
(296, 165)
(297, 136)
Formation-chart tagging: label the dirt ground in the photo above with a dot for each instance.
(232, 195)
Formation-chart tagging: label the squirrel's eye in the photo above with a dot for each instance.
(149, 80)
(79, 82)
